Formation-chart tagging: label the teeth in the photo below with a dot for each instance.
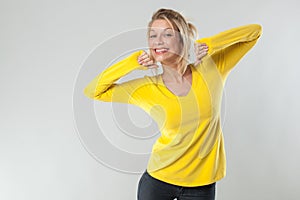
(161, 50)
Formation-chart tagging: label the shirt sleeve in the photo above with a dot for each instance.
(228, 47)
(104, 87)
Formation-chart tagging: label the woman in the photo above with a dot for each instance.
(189, 157)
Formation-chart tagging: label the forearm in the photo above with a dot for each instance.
(242, 34)
(106, 79)
(228, 47)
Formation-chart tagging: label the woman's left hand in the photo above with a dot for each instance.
(201, 50)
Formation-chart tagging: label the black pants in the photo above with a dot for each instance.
(150, 188)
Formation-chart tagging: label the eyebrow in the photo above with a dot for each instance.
(164, 29)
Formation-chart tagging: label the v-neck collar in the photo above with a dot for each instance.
(171, 94)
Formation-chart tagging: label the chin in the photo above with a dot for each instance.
(162, 58)
(159, 60)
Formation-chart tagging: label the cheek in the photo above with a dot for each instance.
(176, 48)
(150, 43)
(174, 42)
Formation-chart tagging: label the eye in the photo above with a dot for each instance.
(152, 36)
(168, 35)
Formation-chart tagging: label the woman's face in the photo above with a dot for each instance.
(164, 42)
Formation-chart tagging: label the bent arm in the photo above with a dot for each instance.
(228, 47)
(103, 86)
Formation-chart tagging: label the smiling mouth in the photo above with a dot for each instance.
(161, 50)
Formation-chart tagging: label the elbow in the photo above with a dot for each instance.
(254, 32)
(257, 27)
(257, 30)
(100, 96)
(89, 93)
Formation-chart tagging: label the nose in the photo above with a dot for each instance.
(159, 40)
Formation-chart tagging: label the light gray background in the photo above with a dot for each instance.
(44, 43)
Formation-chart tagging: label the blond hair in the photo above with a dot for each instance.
(187, 31)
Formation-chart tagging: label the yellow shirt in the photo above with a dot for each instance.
(190, 150)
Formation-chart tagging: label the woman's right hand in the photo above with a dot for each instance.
(145, 60)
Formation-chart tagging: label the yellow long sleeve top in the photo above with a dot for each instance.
(190, 150)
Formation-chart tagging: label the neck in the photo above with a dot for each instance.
(171, 73)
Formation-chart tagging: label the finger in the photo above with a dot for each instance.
(146, 61)
(201, 55)
(143, 55)
(205, 50)
(150, 62)
(202, 51)
(142, 61)
(196, 46)
(200, 44)
(145, 58)
(202, 47)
